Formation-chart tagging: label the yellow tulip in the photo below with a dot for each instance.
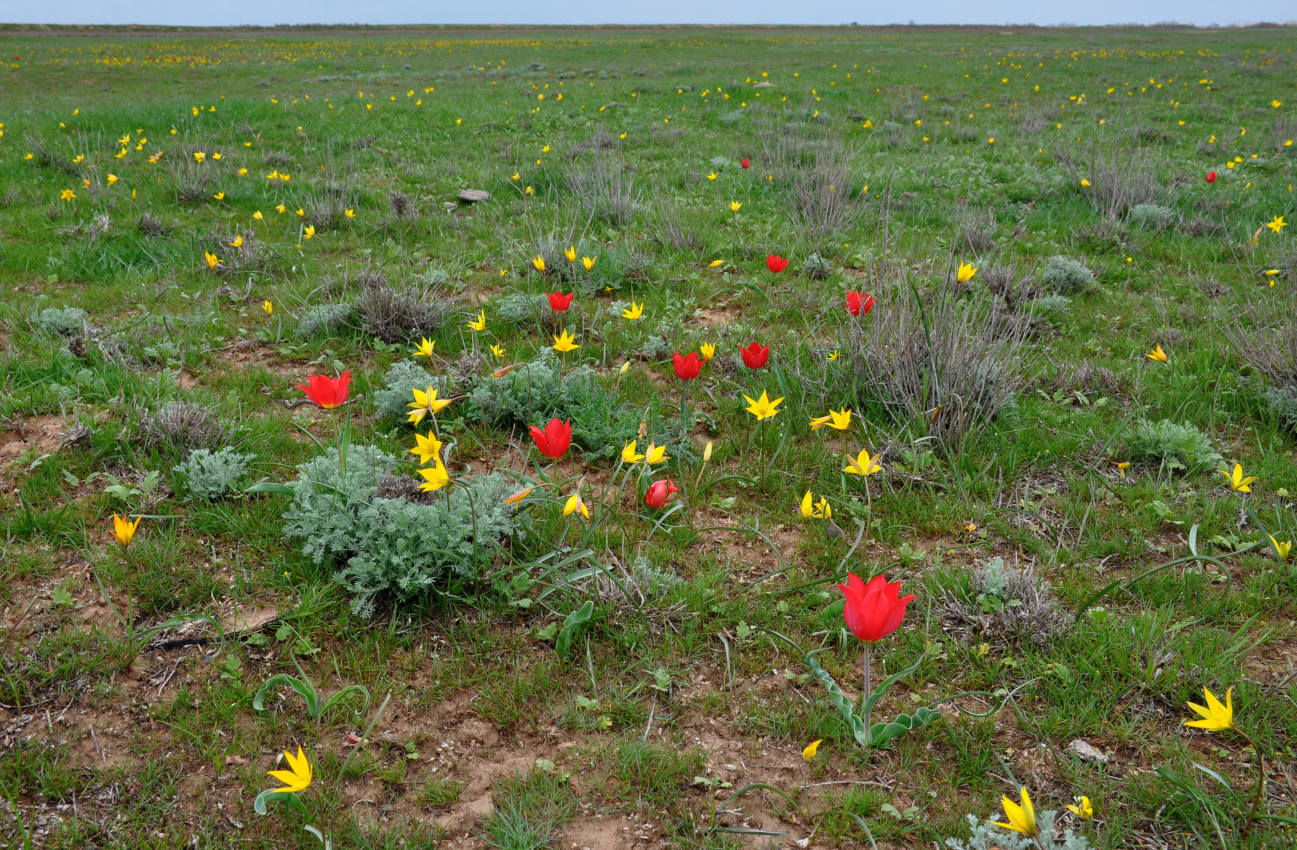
(1021, 818)
(862, 464)
(837, 419)
(124, 529)
(298, 776)
(1237, 482)
(1214, 717)
(435, 477)
(762, 408)
(427, 448)
(565, 342)
(574, 504)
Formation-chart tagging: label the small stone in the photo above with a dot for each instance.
(1085, 751)
(472, 196)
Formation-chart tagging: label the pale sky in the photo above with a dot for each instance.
(269, 12)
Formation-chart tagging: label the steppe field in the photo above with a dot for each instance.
(648, 438)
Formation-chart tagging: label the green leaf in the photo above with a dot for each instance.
(840, 700)
(881, 733)
(342, 694)
(270, 794)
(573, 624)
(888, 682)
(304, 689)
(272, 487)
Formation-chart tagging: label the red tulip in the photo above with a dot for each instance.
(325, 391)
(1211, 176)
(859, 303)
(687, 367)
(745, 162)
(554, 440)
(873, 610)
(755, 355)
(559, 302)
(659, 492)
(776, 263)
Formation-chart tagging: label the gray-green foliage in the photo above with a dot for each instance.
(1151, 216)
(1064, 276)
(60, 321)
(535, 392)
(986, 836)
(816, 267)
(393, 546)
(1051, 307)
(213, 475)
(1282, 402)
(323, 320)
(517, 306)
(399, 384)
(410, 548)
(1172, 445)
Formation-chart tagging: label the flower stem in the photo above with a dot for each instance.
(865, 693)
(1259, 794)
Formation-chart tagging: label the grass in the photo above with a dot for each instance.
(1013, 428)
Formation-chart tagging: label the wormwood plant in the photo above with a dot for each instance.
(1172, 446)
(213, 475)
(537, 391)
(60, 321)
(1065, 276)
(401, 380)
(952, 365)
(393, 546)
(986, 836)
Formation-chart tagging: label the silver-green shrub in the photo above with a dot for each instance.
(60, 321)
(1151, 216)
(393, 546)
(1172, 446)
(1064, 276)
(323, 320)
(213, 475)
(986, 836)
(399, 384)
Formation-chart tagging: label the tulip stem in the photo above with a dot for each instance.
(1259, 794)
(866, 692)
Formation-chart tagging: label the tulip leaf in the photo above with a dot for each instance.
(342, 694)
(272, 487)
(840, 701)
(881, 733)
(572, 624)
(887, 683)
(270, 794)
(304, 689)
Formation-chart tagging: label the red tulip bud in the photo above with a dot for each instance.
(659, 492)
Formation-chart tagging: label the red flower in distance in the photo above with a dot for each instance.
(325, 391)
(874, 610)
(776, 263)
(859, 303)
(687, 367)
(1211, 176)
(745, 162)
(554, 439)
(659, 492)
(559, 302)
(755, 355)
